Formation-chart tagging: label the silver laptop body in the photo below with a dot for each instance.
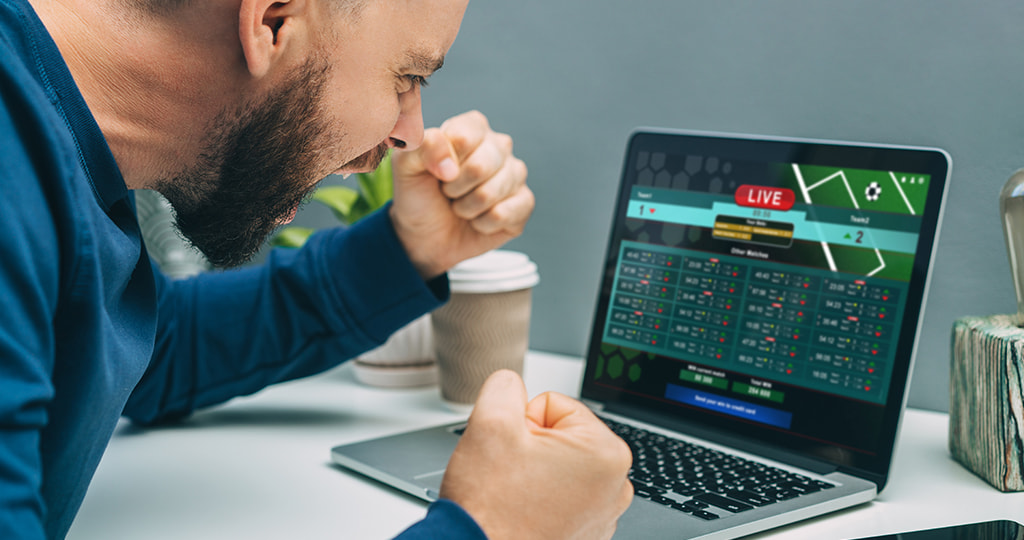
(761, 298)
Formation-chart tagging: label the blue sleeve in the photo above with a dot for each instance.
(226, 334)
(445, 521)
(29, 266)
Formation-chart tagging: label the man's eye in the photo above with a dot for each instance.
(415, 80)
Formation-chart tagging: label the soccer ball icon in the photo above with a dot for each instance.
(873, 191)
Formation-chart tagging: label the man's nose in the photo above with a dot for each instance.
(408, 131)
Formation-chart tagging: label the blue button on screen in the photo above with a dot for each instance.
(734, 407)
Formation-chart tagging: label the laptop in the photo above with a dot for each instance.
(756, 324)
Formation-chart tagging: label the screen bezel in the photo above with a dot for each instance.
(910, 159)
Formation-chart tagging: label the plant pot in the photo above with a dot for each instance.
(406, 359)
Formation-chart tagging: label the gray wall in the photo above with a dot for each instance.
(569, 79)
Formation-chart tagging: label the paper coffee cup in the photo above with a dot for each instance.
(485, 326)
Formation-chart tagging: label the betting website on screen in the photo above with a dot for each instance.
(775, 301)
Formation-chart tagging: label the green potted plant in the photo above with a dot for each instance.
(407, 358)
(347, 204)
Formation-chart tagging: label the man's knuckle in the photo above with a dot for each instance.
(474, 169)
(471, 205)
(457, 189)
(463, 210)
(624, 451)
(485, 226)
(617, 455)
(485, 223)
(476, 116)
(504, 142)
(626, 498)
(482, 197)
(522, 170)
(529, 200)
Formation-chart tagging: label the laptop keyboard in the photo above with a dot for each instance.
(704, 482)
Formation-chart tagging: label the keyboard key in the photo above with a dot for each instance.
(705, 515)
(749, 497)
(642, 491)
(661, 499)
(683, 507)
(802, 489)
(781, 495)
(663, 483)
(687, 491)
(694, 504)
(640, 476)
(723, 502)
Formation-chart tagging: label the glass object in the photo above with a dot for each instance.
(1011, 209)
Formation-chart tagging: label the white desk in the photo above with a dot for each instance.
(259, 467)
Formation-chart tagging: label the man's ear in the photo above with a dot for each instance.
(266, 29)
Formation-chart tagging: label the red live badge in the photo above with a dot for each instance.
(769, 198)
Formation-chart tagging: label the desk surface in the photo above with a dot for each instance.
(259, 467)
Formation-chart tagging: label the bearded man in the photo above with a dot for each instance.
(233, 110)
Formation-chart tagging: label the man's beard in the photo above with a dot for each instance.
(257, 167)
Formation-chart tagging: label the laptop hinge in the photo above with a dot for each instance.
(596, 406)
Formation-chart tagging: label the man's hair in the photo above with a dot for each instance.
(350, 8)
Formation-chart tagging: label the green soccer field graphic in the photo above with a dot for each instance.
(861, 189)
(867, 191)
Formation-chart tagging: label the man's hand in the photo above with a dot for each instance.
(544, 470)
(459, 194)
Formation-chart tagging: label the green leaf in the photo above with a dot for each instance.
(291, 237)
(360, 210)
(340, 199)
(377, 186)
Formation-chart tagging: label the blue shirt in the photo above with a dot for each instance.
(90, 330)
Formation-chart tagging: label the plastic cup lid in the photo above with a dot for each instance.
(494, 271)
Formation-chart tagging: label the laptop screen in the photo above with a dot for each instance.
(768, 288)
